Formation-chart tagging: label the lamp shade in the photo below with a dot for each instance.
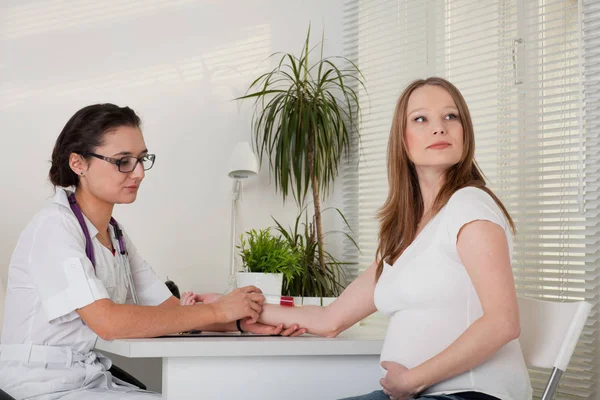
(243, 163)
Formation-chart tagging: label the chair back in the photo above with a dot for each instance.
(550, 331)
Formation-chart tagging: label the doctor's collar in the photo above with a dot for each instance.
(62, 198)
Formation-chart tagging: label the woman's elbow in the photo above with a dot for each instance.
(514, 330)
(502, 329)
(333, 329)
(334, 326)
(511, 329)
(331, 333)
(328, 329)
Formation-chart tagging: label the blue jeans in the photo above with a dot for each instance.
(379, 395)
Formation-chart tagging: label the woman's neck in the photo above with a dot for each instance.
(97, 211)
(430, 183)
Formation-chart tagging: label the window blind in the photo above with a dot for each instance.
(526, 69)
(389, 41)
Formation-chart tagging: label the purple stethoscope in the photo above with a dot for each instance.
(89, 249)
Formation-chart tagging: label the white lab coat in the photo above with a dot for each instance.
(49, 278)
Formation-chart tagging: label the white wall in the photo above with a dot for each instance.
(179, 64)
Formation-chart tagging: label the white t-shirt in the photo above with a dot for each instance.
(431, 301)
(50, 276)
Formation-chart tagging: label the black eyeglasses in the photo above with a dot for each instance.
(128, 163)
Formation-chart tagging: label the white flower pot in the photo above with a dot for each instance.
(268, 283)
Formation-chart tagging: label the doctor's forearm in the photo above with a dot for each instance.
(170, 302)
(111, 321)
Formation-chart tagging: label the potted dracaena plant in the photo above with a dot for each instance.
(305, 114)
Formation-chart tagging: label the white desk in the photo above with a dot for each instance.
(262, 368)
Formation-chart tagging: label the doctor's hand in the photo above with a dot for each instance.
(256, 327)
(398, 382)
(241, 303)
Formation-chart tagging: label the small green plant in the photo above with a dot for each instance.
(262, 252)
(314, 280)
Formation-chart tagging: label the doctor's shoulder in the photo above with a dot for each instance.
(53, 224)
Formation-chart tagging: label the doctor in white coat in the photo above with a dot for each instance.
(69, 283)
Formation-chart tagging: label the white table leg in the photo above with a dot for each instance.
(266, 378)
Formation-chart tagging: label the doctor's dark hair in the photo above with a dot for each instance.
(83, 133)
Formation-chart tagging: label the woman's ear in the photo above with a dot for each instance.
(78, 164)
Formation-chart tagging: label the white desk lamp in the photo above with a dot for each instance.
(242, 165)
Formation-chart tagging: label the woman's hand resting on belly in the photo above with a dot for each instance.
(398, 382)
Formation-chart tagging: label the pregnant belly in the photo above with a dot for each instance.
(413, 337)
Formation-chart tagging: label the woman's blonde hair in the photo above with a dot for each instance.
(403, 209)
